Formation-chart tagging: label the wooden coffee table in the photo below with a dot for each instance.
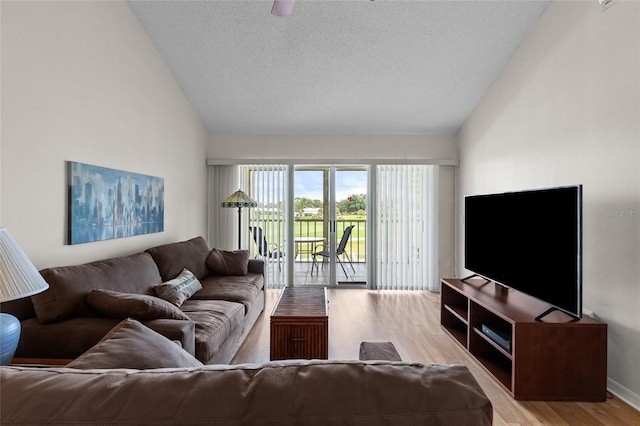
(300, 325)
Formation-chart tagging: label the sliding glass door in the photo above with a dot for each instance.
(334, 225)
(330, 208)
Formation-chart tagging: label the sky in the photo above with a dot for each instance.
(309, 184)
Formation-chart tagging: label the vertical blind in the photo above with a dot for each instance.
(223, 225)
(406, 223)
(406, 208)
(267, 184)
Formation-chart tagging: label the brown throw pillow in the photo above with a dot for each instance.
(115, 304)
(130, 344)
(178, 289)
(228, 262)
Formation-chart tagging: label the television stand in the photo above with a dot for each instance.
(551, 360)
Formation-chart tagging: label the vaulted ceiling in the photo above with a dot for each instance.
(336, 67)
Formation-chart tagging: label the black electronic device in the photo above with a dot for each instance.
(530, 241)
(501, 337)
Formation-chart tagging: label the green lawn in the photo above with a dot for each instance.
(314, 228)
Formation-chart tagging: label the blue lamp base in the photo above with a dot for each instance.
(9, 337)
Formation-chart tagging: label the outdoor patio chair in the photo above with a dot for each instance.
(340, 251)
(266, 249)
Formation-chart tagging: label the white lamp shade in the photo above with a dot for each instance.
(18, 277)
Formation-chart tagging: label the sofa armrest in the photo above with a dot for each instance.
(256, 266)
(20, 308)
(180, 330)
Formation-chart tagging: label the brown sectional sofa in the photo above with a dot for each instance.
(59, 324)
(308, 393)
(133, 375)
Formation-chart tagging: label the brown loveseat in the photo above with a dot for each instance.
(60, 324)
(311, 393)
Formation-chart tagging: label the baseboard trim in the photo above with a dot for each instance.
(625, 394)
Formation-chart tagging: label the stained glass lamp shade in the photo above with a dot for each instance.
(239, 200)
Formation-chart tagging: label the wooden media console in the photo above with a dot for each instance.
(555, 359)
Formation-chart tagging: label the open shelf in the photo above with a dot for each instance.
(499, 367)
(492, 343)
(454, 314)
(459, 332)
(534, 360)
(458, 313)
(457, 303)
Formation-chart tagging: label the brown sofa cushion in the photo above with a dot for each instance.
(115, 304)
(173, 258)
(68, 285)
(243, 289)
(228, 262)
(132, 345)
(309, 393)
(215, 321)
(72, 337)
(66, 339)
(179, 289)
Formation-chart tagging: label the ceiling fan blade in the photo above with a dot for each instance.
(282, 7)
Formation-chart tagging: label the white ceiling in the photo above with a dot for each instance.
(336, 67)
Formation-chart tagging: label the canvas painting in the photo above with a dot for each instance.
(106, 203)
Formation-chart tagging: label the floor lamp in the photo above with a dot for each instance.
(18, 279)
(239, 199)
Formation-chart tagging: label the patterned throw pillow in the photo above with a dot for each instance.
(116, 304)
(228, 262)
(179, 289)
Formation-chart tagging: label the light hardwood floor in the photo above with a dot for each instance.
(411, 320)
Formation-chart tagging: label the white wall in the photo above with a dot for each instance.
(566, 110)
(0, 115)
(82, 82)
(447, 221)
(431, 149)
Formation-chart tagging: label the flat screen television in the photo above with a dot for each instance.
(530, 241)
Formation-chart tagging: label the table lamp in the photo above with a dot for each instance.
(18, 279)
(239, 199)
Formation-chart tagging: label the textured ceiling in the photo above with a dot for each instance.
(336, 67)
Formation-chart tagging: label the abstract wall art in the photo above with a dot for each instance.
(106, 203)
